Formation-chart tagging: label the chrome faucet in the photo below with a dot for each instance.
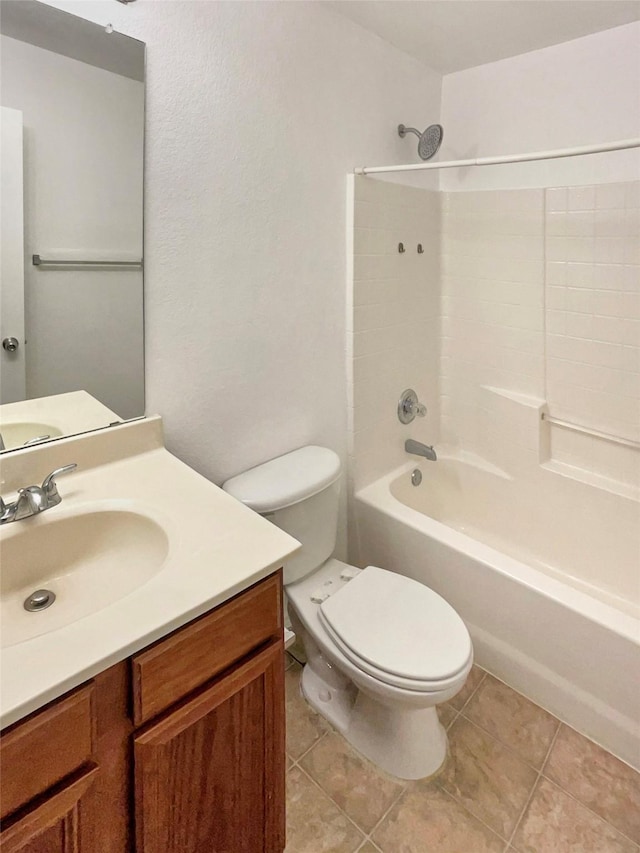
(34, 499)
(419, 449)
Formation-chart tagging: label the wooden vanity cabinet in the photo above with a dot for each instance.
(180, 749)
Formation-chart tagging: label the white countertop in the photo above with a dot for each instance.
(217, 548)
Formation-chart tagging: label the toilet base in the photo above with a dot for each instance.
(406, 742)
(335, 704)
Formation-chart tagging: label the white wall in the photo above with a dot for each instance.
(83, 147)
(578, 93)
(256, 113)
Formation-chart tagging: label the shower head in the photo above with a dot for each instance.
(428, 142)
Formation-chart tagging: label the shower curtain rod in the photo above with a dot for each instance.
(620, 145)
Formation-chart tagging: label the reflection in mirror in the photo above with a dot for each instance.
(71, 298)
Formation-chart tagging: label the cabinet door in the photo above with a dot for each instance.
(54, 825)
(210, 775)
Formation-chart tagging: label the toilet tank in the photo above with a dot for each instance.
(299, 492)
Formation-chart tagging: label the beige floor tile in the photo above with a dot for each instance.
(314, 823)
(426, 820)
(357, 786)
(521, 725)
(304, 726)
(369, 848)
(556, 823)
(486, 777)
(446, 714)
(598, 779)
(473, 680)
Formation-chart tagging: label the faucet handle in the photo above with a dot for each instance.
(409, 406)
(49, 485)
(36, 440)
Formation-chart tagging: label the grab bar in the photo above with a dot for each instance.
(596, 433)
(40, 262)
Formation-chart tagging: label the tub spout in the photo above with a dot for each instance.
(419, 449)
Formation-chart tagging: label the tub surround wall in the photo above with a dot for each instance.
(539, 315)
(394, 320)
(592, 324)
(541, 308)
(492, 318)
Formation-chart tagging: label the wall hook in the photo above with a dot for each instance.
(401, 247)
(420, 249)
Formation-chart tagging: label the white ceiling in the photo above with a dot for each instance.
(450, 35)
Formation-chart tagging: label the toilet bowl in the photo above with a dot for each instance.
(389, 717)
(382, 650)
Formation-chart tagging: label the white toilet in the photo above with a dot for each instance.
(383, 650)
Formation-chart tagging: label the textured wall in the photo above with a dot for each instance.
(256, 113)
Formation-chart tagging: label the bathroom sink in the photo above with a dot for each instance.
(17, 433)
(89, 558)
(139, 546)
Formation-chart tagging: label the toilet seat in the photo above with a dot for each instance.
(398, 631)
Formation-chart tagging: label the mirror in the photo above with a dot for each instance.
(71, 281)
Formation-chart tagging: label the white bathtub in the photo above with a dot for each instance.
(546, 576)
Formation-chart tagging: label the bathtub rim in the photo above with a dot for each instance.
(379, 496)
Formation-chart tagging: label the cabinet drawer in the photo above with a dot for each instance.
(178, 664)
(40, 751)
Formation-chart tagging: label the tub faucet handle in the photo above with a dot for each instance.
(409, 407)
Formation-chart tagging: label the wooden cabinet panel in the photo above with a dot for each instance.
(107, 806)
(52, 743)
(210, 775)
(54, 826)
(191, 656)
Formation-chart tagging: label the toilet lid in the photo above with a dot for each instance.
(397, 626)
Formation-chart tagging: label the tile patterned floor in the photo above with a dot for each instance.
(516, 780)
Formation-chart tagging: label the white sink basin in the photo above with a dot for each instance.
(89, 558)
(15, 434)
